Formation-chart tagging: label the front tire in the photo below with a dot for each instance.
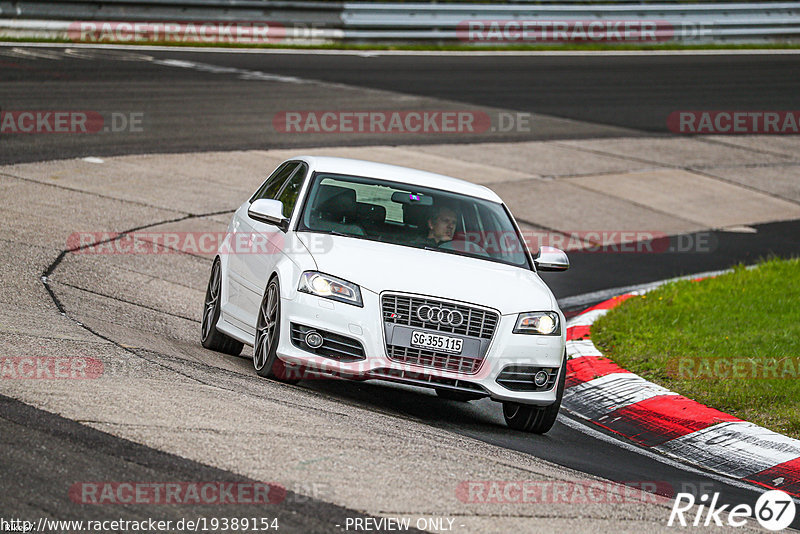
(210, 337)
(268, 331)
(536, 419)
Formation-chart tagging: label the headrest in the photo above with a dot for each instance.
(336, 202)
(371, 212)
(416, 215)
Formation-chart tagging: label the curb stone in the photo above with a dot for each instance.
(654, 417)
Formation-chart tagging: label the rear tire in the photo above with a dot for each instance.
(536, 419)
(210, 337)
(268, 331)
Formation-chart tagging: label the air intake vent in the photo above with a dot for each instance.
(334, 346)
(522, 377)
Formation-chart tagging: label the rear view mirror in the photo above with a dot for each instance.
(551, 259)
(412, 198)
(269, 211)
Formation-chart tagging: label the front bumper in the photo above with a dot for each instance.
(365, 325)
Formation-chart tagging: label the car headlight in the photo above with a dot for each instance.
(325, 285)
(540, 323)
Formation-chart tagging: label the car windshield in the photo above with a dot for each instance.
(412, 216)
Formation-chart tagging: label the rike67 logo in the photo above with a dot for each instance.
(774, 510)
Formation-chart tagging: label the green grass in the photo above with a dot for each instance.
(440, 47)
(731, 342)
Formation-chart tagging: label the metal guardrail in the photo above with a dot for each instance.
(415, 22)
(326, 14)
(683, 22)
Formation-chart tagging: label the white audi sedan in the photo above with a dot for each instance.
(359, 270)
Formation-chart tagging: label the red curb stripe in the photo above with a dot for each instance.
(659, 419)
(611, 303)
(577, 332)
(587, 368)
(789, 471)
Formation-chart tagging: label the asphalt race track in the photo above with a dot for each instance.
(84, 450)
(204, 106)
(192, 102)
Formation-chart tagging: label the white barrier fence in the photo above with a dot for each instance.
(479, 24)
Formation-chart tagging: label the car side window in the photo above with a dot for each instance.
(288, 196)
(272, 186)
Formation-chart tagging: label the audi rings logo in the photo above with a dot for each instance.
(441, 316)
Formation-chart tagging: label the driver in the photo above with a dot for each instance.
(441, 225)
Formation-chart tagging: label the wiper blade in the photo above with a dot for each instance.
(451, 251)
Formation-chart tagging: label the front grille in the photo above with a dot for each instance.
(520, 377)
(428, 358)
(402, 310)
(334, 346)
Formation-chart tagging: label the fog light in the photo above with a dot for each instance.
(540, 379)
(313, 340)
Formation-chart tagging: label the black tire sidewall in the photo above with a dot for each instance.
(272, 356)
(211, 341)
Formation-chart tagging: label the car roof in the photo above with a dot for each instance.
(395, 173)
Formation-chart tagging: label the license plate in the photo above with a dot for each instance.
(425, 340)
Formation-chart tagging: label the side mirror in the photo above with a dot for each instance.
(551, 259)
(269, 211)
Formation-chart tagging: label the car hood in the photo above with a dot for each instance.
(382, 267)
